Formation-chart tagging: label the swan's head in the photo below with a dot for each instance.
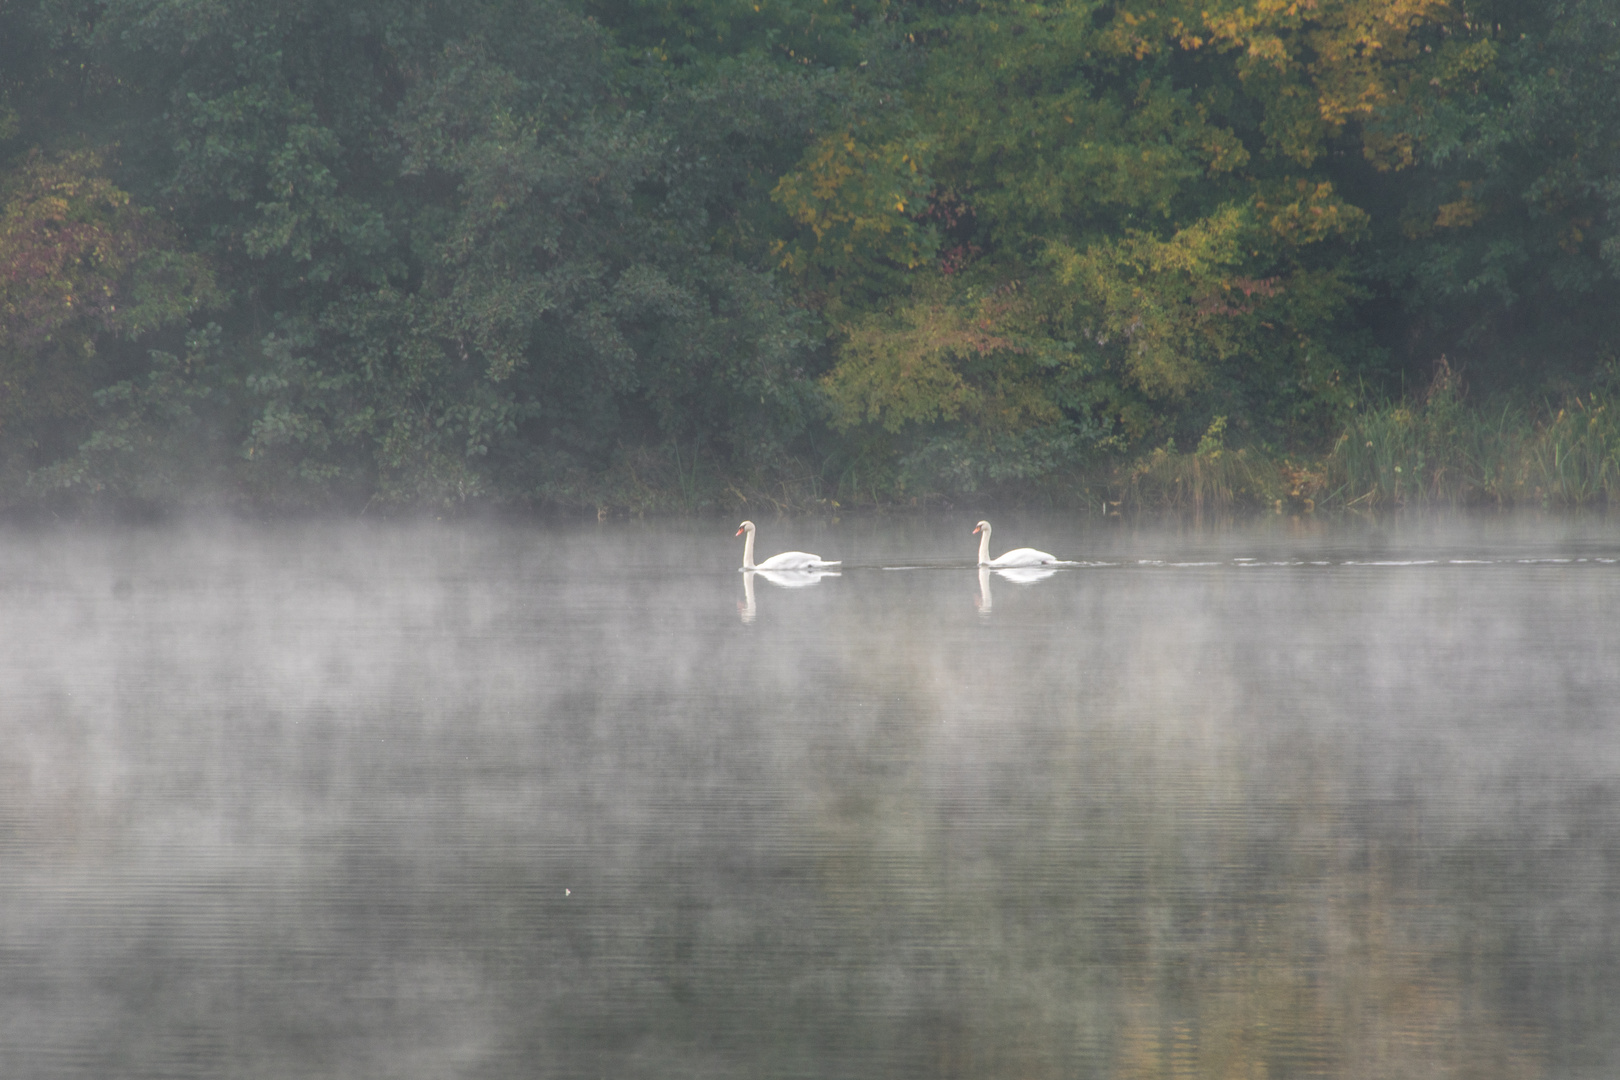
(747, 526)
(983, 526)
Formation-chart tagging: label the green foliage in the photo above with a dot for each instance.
(467, 266)
(1506, 246)
(77, 259)
(83, 272)
(853, 200)
(698, 32)
(916, 366)
(160, 437)
(403, 251)
(1132, 177)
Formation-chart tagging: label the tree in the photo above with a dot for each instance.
(1153, 183)
(83, 272)
(474, 249)
(1505, 244)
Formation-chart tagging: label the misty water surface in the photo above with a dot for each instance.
(1287, 799)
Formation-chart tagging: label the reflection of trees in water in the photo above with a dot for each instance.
(1341, 978)
(1090, 915)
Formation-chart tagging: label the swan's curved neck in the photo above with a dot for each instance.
(748, 551)
(984, 545)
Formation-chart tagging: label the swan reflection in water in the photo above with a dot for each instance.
(785, 579)
(1022, 575)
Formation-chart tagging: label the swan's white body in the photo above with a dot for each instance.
(788, 560)
(1015, 557)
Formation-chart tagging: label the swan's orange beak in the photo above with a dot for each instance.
(739, 532)
(975, 530)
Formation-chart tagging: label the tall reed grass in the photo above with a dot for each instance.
(1443, 450)
(1213, 476)
(1440, 449)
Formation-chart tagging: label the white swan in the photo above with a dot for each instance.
(788, 560)
(1015, 557)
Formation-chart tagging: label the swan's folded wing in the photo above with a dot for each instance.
(1024, 557)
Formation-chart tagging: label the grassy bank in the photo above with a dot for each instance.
(1440, 450)
(1444, 451)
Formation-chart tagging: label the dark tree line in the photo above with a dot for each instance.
(538, 252)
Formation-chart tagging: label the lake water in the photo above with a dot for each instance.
(1291, 798)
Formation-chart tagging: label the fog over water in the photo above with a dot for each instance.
(1290, 798)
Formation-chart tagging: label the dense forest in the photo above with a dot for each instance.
(633, 255)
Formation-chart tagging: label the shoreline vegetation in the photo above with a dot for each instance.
(1435, 450)
(628, 257)
(1439, 450)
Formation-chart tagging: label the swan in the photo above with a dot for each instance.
(1015, 557)
(788, 560)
